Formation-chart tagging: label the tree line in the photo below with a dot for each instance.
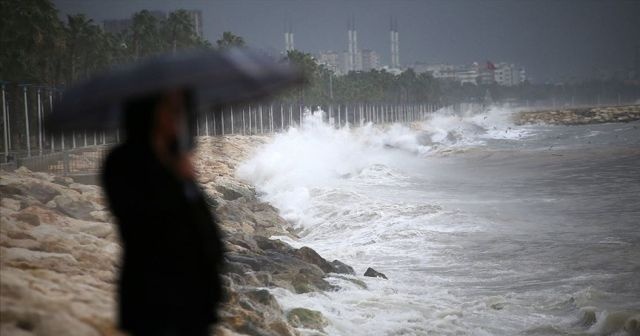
(40, 47)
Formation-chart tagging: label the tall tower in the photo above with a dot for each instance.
(395, 44)
(352, 48)
(288, 36)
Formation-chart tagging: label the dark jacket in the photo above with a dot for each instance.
(172, 249)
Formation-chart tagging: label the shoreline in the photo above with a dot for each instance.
(579, 116)
(59, 251)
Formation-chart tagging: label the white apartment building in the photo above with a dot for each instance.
(509, 75)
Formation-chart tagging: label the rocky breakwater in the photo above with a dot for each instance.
(59, 253)
(580, 116)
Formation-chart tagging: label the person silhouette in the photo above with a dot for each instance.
(172, 250)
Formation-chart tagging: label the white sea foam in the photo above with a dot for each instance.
(353, 194)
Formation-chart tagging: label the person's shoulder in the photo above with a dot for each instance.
(123, 159)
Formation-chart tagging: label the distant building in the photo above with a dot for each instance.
(370, 60)
(395, 44)
(468, 75)
(508, 74)
(289, 44)
(331, 60)
(442, 71)
(351, 63)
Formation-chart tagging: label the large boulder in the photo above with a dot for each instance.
(307, 318)
(370, 272)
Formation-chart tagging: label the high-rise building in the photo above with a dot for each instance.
(395, 44)
(370, 60)
(352, 48)
(288, 36)
(331, 60)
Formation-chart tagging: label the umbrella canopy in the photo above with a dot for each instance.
(226, 77)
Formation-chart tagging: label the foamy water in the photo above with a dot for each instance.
(482, 227)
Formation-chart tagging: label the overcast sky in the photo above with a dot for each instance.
(554, 40)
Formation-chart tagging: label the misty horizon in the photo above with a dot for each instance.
(554, 41)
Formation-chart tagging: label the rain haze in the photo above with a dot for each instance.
(554, 40)
(348, 168)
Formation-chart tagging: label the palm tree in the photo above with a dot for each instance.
(144, 35)
(230, 40)
(28, 34)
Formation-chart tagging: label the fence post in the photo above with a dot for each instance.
(65, 163)
(244, 129)
(26, 121)
(222, 121)
(281, 117)
(206, 124)
(250, 129)
(85, 138)
(53, 136)
(255, 120)
(290, 114)
(261, 120)
(39, 122)
(231, 112)
(9, 127)
(73, 139)
(215, 130)
(4, 126)
(271, 118)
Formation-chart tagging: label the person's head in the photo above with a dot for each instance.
(161, 116)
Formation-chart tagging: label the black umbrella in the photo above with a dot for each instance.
(215, 78)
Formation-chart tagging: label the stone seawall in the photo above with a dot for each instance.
(580, 116)
(59, 253)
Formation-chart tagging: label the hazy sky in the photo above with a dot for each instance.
(553, 40)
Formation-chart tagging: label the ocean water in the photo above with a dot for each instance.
(483, 227)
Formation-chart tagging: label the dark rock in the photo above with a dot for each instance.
(210, 200)
(374, 274)
(228, 194)
(354, 281)
(342, 268)
(263, 297)
(64, 181)
(236, 268)
(307, 280)
(29, 218)
(307, 318)
(80, 209)
(245, 241)
(8, 190)
(282, 328)
(272, 244)
(41, 192)
(309, 255)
